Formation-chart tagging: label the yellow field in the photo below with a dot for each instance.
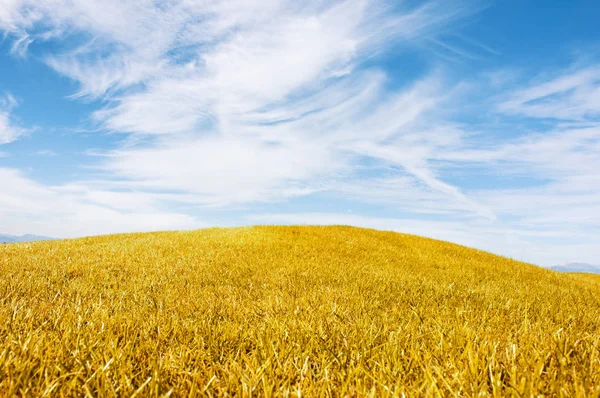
(593, 277)
(312, 311)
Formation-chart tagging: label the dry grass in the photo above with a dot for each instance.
(314, 311)
(591, 277)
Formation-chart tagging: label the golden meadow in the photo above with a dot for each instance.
(290, 311)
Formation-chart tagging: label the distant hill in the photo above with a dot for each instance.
(22, 238)
(577, 267)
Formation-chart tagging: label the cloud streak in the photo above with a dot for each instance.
(9, 130)
(72, 210)
(574, 95)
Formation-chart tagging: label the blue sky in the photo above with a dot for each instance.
(468, 121)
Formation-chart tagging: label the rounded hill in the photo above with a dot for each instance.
(270, 310)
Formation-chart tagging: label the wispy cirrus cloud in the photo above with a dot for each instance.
(571, 95)
(244, 101)
(126, 43)
(77, 210)
(219, 87)
(9, 129)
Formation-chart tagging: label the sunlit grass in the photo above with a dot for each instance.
(591, 277)
(310, 311)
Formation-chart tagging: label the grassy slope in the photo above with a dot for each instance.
(284, 310)
(591, 277)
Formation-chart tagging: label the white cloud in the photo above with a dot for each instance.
(9, 131)
(70, 211)
(574, 95)
(251, 101)
(225, 171)
(20, 46)
(552, 177)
